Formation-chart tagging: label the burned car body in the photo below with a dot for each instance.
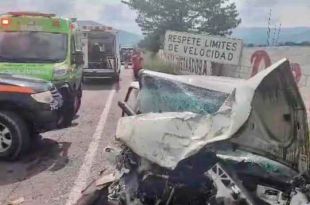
(213, 140)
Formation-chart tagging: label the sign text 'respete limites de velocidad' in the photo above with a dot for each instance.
(212, 48)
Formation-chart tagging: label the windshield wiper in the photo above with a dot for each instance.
(4, 59)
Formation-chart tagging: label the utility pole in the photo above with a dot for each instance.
(279, 31)
(274, 35)
(268, 29)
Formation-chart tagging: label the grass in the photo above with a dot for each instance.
(154, 63)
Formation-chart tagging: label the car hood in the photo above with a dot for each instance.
(264, 115)
(36, 84)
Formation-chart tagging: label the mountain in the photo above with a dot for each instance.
(258, 35)
(125, 38)
(129, 39)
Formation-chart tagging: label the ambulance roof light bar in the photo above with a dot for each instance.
(5, 22)
(26, 13)
(98, 28)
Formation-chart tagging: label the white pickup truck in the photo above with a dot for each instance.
(101, 52)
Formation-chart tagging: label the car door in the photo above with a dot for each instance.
(130, 102)
(75, 69)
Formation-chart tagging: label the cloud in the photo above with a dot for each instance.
(255, 13)
(261, 3)
(110, 12)
(125, 18)
(36, 5)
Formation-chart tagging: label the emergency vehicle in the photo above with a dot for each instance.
(28, 106)
(43, 46)
(100, 47)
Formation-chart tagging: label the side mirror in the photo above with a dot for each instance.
(78, 58)
(126, 109)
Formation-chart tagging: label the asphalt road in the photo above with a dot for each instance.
(63, 162)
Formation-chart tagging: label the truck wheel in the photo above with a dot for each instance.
(14, 136)
(78, 100)
(116, 77)
(67, 111)
(84, 80)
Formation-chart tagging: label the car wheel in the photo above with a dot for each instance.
(14, 136)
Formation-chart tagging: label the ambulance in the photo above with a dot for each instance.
(100, 47)
(43, 46)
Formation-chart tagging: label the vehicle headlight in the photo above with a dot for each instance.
(60, 72)
(44, 97)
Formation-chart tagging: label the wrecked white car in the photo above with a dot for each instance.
(211, 140)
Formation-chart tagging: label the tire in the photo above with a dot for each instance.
(84, 80)
(68, 110)
(78, 100)
(116, 77)
(15, 129)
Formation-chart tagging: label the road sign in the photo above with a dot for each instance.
(205, 47)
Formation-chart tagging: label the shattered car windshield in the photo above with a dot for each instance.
(159, 95)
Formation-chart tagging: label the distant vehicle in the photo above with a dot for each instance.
(101, 52)
(27, 106)
(126, 53)
(43, 46)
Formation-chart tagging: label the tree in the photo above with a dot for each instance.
(215, 17)
(150, 42)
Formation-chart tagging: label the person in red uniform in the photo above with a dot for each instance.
(137, 61)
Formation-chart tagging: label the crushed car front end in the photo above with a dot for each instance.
(211, 141)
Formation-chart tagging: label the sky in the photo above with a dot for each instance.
(109, 12)
(254, 13)
(289, 13)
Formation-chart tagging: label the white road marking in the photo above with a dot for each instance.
(81, 181)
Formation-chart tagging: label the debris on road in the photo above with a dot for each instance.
(219, 141)
(104, 180)
(17, 201)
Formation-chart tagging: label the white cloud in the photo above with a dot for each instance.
(255, 13)
(125, 18)
(110, 12)
(295, 16)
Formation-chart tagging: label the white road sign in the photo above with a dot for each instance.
(212, 48)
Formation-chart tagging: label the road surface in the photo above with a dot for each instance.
(63, 162)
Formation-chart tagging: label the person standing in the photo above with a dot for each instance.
(127, 57)
(137, 62)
